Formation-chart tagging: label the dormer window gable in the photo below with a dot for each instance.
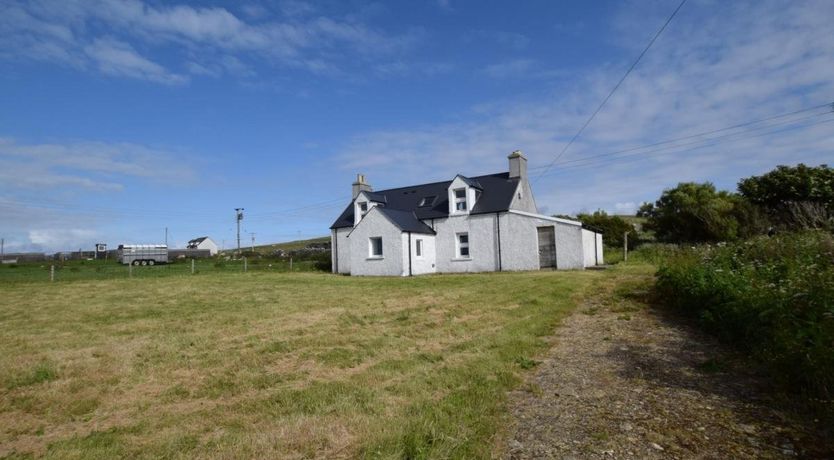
(463, 194)
(363, 204)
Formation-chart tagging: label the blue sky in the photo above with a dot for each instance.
(122, 117)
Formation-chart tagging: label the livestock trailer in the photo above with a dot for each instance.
(143, 254)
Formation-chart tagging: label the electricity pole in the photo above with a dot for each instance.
(253, 240)
(2, 249)
(166, 236)
(239, 212)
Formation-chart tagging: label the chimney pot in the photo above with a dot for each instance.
(360, 185)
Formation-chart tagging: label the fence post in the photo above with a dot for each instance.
(130, 270)
(290, 263)
(52, 272)
(192, 266)
(625, 247)
(244, 265)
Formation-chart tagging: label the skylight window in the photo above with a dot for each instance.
(427, 201)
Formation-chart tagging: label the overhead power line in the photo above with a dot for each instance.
(704, 143)
(828, 105)
(613, 90)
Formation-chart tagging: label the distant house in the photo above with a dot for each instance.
(203, 242)
(467, 224)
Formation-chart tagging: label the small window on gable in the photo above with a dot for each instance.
(427, 201)
(463, 245)
(375, 246)
(363, 206)
(460, 199)
(418, 248)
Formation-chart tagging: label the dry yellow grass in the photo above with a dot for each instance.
(269, 365)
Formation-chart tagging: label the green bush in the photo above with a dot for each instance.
(771, 296)
(612, 228)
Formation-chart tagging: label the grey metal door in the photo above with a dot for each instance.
(547, 247)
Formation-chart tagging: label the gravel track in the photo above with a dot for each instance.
(623, 380)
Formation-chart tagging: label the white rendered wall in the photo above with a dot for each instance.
(599, 249)
(523, 199)
(425, 263)
(208, 244)
(482, 243)
(589, 242)
(520, 242)
(340, 250)
(372, 225)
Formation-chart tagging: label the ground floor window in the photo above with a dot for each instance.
(418, 248)
(463, 245)
(375, 243)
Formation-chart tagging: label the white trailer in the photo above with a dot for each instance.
(143, 254)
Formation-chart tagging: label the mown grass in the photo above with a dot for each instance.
(271, 365)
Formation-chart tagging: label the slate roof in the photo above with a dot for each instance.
(197, 241)
(496, 196)
(470, 182)
(405, 221)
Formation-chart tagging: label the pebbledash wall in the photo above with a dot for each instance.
(375, 224)
(519, 248)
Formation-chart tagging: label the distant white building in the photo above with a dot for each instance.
(203, 242)
(467, 224)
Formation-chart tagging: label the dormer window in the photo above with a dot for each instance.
(460, 199)
(427, 201)
(363, 207)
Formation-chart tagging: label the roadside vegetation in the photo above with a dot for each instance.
(271, 365)
(772, 297)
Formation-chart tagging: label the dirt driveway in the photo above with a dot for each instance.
(624, 381)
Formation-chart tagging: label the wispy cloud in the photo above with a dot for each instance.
(115, 57)
(716, 66)
(103, 35)
(95, 166)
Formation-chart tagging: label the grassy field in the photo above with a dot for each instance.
(271, 365)
(79, 270)
(287, 246)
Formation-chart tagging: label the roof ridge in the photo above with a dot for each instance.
(440, 181)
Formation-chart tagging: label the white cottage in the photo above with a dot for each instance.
(468, 224)
(203, 242)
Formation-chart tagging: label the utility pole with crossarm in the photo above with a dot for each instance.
(239, 212)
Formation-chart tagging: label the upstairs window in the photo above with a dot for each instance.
(460, 199)
(463, 245)
(375, 246)
(427, 201)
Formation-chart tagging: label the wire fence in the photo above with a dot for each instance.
(80, 270)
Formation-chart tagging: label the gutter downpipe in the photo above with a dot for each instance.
(409, 255)
(498, 223)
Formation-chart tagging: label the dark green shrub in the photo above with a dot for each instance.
(770, 296)
(612, 227)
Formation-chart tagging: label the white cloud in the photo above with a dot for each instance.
(117, 58)
(713, 67)
(105, 34)
(86, 165)
(49, 239)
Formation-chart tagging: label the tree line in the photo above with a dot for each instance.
(787, 198)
